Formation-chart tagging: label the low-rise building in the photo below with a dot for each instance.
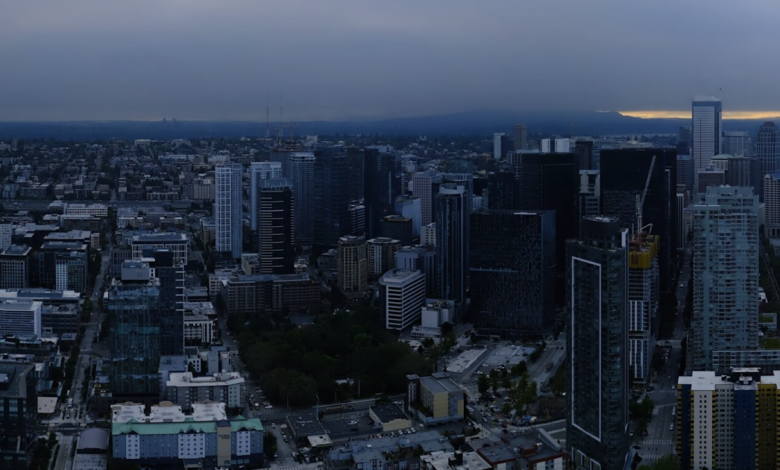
(168, 437)
(184, 389)
(523, 452)
(389, 417)
(455, 461)
(435, 399)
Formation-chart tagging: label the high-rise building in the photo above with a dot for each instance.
(625, 176)
(170, 305)
(332, 194)
(685, 171)
(20, 318)
(302, 178)
(6, 235)
(276, 229)
(597, 345)
(710, 176)
(738, 169)
(552, 182)
(555, 146)
(452, 222)
(399, 228)
(590, 193)
(512, 266)
(682, 226)
(357, 161)
(772, 205)
(643, 295)
(381, 255)
(15, 267)
(729, 420)
(259, 171)
(229, 209)
(357, 219)
(133, 303)
(18, 422)
(684, 140)
(352, 263)
(503, 191)
(768, 150)
(500, 145)
(382, 187)
(425, 185)
(428, 234)
(402, 295)
(421, 258)
(737, 143)
(706, 132)
(584, 150)
(521, 137)
(410, 208)
(725, 273)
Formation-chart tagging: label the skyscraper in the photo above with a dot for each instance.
(643, 295)
(512, 266)
(276, 227)
(521, 137)
(584, 150)
(352, 263)
(706, 132)
(767, 151)
(170, 306)
(551, 182)
(301, 177)
(357, 160)
(725, 273)
(624, 174)
(332, 192)
(133, 303)
(229, 209)
(503, 191)
(737, 143)
(772, 205)
(590, 193)
(738, 169)
(425, 185)
(500, 145)
(452, 251)
(597, 344)
(259, 171)
(382, 187)
(685, 171)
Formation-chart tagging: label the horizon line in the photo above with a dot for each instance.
(730, 115)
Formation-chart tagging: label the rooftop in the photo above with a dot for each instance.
(399, 276)
(17, 250)
(305, 424)
(440, 382)
(160, 237)
(387, 412)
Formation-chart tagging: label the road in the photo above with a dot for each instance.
(661, 431)
(68, 422)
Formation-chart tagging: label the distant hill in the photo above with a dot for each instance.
(463, 124)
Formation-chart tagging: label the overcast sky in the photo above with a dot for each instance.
(342, 59)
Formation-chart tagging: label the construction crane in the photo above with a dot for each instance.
(640, 200)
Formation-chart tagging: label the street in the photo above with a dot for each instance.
(661, 430)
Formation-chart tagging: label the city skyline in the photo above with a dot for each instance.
(107, 67)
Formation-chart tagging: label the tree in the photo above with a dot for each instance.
(666, 462)
(483, 384)
(519, 369)
(270, 445)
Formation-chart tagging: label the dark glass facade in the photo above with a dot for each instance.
(452, 220)
(135, 337)
(623, 177)
(18, 413)
(276, 227)
(597, 344)
(512, 266)
(382, 186)
(503, 191)
(332, 194)
(551, 181)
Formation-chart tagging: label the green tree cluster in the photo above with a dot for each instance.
(295, 365)
(667, 462)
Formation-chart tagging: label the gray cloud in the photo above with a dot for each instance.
(198, 59)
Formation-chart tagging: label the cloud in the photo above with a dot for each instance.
(198, 59)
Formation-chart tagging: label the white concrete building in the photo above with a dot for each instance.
(20, 318)
(402, 295)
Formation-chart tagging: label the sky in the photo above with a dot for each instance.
(365, 59)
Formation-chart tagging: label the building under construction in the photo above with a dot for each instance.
(643, 294)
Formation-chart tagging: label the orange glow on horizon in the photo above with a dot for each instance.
(687, 114)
